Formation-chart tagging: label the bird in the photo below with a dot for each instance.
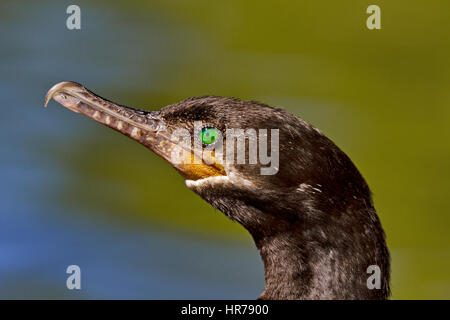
(312, 219)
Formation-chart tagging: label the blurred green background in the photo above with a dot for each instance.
(74, 192)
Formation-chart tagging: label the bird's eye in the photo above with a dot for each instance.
(208, 135)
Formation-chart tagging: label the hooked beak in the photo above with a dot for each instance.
(146, 127)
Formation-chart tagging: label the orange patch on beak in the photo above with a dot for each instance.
(193, 169)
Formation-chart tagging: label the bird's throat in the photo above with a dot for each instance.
(287, 272)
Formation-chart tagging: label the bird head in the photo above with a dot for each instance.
(261, 166)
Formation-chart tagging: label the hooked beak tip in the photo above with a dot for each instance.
(59, 87)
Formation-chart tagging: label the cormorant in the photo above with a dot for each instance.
(313, 221)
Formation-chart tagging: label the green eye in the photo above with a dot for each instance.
(208, 135)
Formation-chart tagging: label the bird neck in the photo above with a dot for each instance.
(286, 267)
(308, 251)
(319, 262)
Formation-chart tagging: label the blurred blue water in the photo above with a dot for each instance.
(38, 240)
